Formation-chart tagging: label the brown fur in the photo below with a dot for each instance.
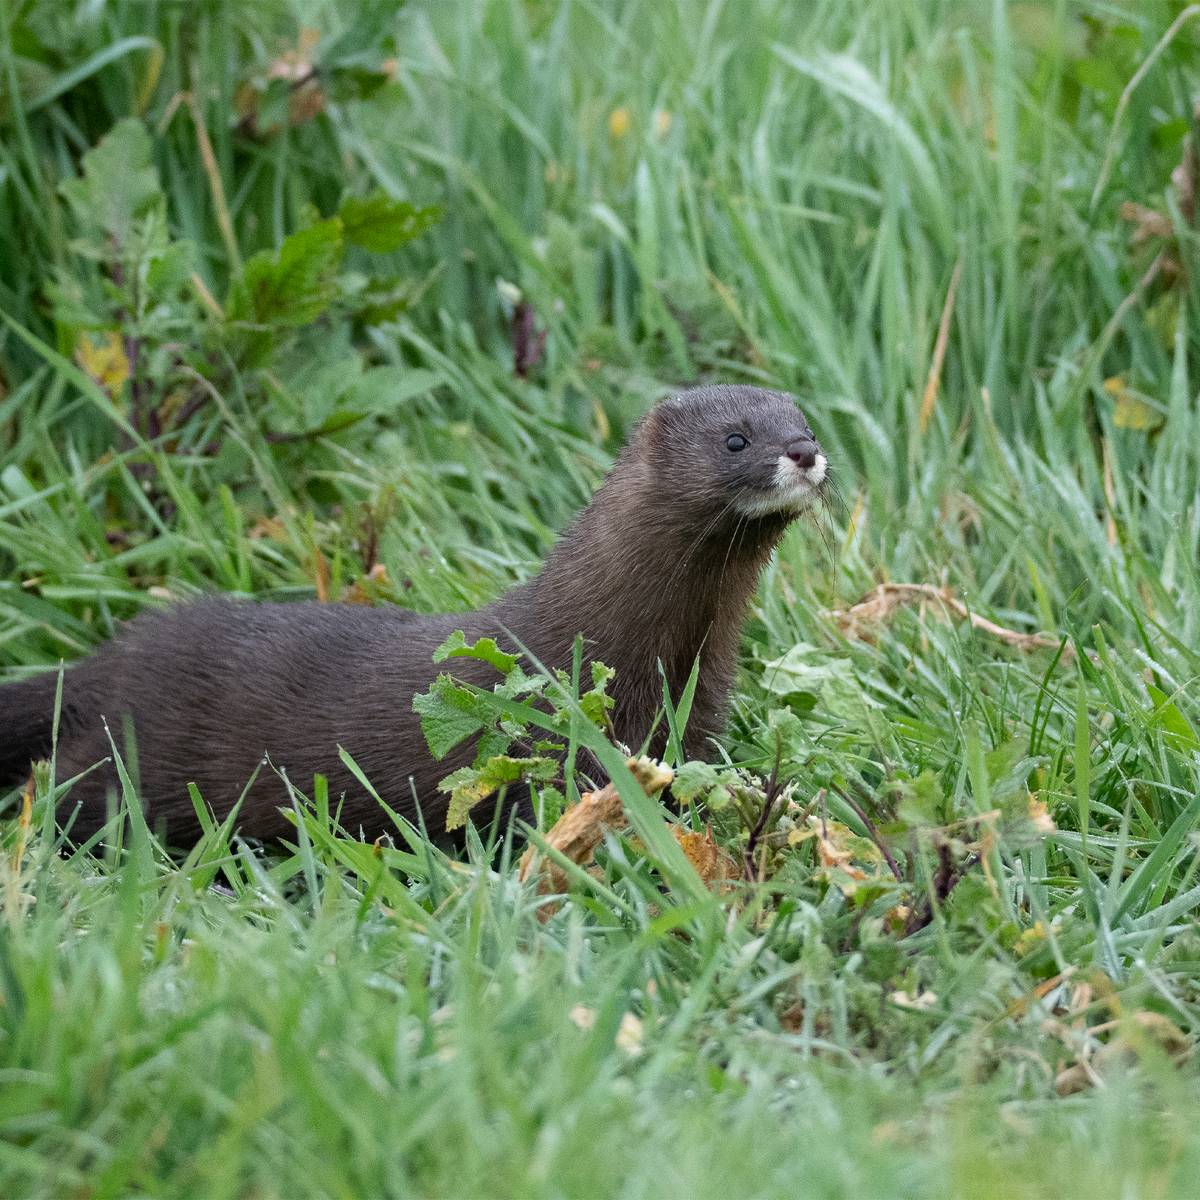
(659, 566)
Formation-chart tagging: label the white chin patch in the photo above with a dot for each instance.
(793, 489)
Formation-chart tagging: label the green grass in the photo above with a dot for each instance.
(759, 191)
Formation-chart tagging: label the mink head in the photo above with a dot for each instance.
(741, 451)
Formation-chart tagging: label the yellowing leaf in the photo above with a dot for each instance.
(1030, 938)
(469, 785)
(104, 360)
(1130, 410)
(845, 859)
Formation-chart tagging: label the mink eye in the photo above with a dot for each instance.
(736, 442)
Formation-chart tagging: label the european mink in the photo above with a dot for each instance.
(659, 566)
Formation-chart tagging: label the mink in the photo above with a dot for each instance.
(659, 568)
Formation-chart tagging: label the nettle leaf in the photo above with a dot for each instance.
(469, 785)
(294, 286)
(517, 683)
(552, 804)
(596, 703)
(601, 675)
(694, 780)
(485, 650)
(808, 677)
(380, 224)
(449, 715)
(119, 184)
(491, 744)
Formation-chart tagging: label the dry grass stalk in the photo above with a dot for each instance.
(878, 605)
(929, 400)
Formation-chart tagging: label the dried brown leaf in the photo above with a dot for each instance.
(715, 866)
(582, 827)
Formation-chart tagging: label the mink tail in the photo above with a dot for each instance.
(26, 725)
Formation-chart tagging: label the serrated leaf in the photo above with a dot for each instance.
(601, 675)
(596, 703)
(484, 649)
(693, 780)
(553, 803)
(449, 715)
(492, 744)
(296, 285)
(469, 785)
(380, 224)
(119, 183)
(830, 682)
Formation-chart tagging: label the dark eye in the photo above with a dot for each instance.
(736, 442)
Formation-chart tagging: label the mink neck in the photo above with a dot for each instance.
(645, 582)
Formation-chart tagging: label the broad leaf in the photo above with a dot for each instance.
(296, 285)
(485, 650)
(380, 224)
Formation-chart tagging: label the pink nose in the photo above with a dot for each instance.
(803, 452)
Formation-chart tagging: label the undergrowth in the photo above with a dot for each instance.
(355, 301)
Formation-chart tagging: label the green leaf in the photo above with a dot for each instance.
(601, 675)
(449, 715)
(809, 672)
(922, 802)
(485, 650)
(296, 285)
(384, 389)
(597, 703)
(469, 785)
(1175, 726)
(375, 300)
(119, 184)
(380, 224)
(172, 268)
(693, 780)
(1008, 768)
(491, 744)
(552, 804)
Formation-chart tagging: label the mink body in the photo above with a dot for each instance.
(660, 566)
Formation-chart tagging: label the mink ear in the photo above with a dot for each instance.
(650, 429)
(655, 427)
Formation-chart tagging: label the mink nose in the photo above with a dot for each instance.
(803, 452)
